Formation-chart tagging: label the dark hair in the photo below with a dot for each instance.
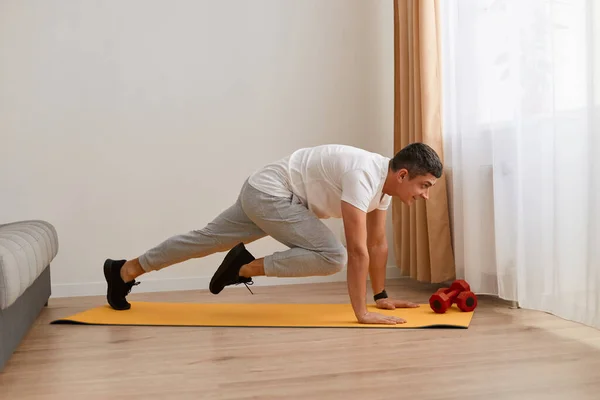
(417, 159)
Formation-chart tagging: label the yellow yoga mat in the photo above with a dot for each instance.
(262, 315)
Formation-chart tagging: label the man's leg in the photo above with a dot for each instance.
(314, 249)
(232, 226)
(226, 230)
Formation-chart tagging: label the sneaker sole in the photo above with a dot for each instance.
(107, 276)
(233, 253)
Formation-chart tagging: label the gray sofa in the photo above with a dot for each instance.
(26, 250)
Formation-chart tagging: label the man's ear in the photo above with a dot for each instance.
(402, 175)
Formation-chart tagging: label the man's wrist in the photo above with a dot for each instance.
(380, 295)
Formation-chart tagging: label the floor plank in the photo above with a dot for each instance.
(506, 354)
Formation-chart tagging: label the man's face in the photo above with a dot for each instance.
(408, 190)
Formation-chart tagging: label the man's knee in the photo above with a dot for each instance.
(336, 259)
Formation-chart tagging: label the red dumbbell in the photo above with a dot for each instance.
(459, 293)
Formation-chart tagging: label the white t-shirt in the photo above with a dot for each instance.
(324, 176)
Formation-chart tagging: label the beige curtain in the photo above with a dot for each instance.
(422, 242)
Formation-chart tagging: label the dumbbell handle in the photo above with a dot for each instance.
(452, 294)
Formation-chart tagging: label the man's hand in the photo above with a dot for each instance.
(391, 304)
(375, 318)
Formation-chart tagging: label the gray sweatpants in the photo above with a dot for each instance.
(313, 248)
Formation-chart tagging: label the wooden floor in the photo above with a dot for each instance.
(505, 354)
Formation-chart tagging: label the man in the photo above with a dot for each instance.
(287, 200)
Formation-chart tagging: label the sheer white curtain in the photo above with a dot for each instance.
(522, 146)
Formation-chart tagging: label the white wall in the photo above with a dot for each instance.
(123, 123)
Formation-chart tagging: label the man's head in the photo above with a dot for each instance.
(412, 171)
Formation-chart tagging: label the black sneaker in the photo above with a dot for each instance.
(117, 289)
(228, 272)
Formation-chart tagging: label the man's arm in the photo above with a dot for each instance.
(378, 255)
(378, 249)
(355, 227)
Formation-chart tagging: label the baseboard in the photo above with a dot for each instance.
(193, 283)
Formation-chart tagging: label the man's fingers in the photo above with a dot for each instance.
(393, 320)
(387, 319)
(406, 304)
